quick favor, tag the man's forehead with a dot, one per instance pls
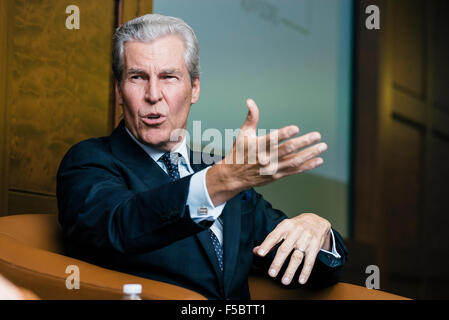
(165, 52)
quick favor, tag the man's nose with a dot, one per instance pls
(153, 93)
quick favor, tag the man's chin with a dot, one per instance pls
(155, 141)
(157, 138)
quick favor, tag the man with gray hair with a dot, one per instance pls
(135, 201)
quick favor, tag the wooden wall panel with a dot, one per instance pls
(404, 197)
(440, 55)
(366, 127)
(54, 92)
(408, 31)
(136, 8)
(4, 5)
(404, 186)
(437, 217)
(58, 86)
(405, 270)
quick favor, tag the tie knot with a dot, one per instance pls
(171, 163)
(170, 158)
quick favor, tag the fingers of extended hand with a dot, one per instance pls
(310, 164)
(294, 145)
(287, 157)
(268, 145)
(275, 137)
(293, 162)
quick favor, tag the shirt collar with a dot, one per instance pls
(155, 154)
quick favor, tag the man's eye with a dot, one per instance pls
(136, 77)
(168, 77)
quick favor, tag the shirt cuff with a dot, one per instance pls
(334, 249)
(198, 199)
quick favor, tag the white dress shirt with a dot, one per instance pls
(198, 196)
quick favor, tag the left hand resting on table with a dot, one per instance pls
(306, 234)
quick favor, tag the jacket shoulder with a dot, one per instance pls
(90, 150)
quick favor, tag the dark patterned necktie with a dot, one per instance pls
(171, 163)
(217, 247)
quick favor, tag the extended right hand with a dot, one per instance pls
(259, 160)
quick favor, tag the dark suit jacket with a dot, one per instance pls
(119, 209)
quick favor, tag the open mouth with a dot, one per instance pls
(153, 119)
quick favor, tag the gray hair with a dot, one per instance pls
(151, 27)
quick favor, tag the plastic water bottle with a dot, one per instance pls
(132, 291)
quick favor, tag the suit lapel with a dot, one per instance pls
(135, 158)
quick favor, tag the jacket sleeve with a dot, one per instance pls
(99, 210)
(327, 269)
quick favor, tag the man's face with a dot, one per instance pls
(156, 91)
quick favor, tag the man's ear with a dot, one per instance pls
(118, 93)
(195, 91)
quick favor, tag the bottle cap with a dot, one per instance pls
(132, 288)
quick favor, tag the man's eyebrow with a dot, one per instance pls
(171, 71)
(134, 70)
